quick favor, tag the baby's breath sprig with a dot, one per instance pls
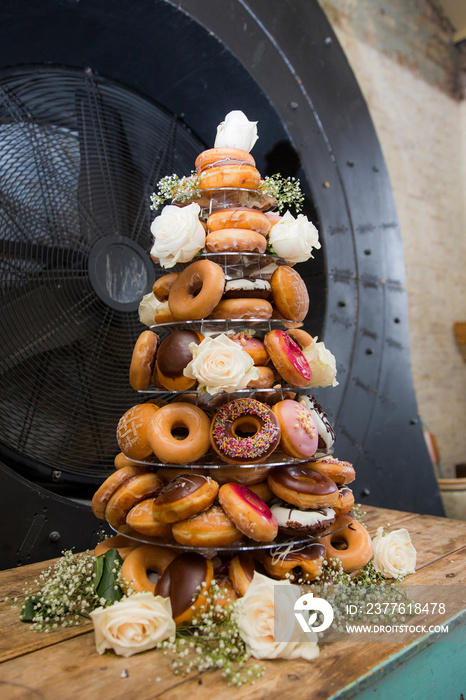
(212, 641)
(286, 190)
(70, 589)
(184, 188)
(358, 513)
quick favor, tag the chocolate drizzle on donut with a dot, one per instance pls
(180, 487)
(181, 581)
(303, 480)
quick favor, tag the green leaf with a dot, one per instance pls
(108, 587)
(27, 611)
(98, 571)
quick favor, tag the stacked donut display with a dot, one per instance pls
(231, 478)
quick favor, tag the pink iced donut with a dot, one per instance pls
(248, 512)
(288, 358)
(299, 437)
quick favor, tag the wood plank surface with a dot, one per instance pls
(64, 664)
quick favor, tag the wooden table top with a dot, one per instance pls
(64, 663)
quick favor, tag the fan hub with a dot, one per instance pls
(120, 272)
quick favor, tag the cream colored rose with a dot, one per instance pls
(220, 364)
(293, 239)
(257, 621)
(149, 306)
(394, 554)
(178, 234)
(322, 363)
(236, 132)
(133, 624)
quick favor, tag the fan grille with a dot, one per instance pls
(79, 158)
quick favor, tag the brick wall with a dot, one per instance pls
(407, 67)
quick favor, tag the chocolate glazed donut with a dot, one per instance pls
(186, 582)
(302, 487)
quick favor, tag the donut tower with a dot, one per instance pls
(226, 463)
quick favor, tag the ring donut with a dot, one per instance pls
(248, 512)
(217, 156)
(308, 522)
(173, 356)
(352, 546)
(212, 528)
(143, 360)
(290, 293)
(172, 449)
(186, 581)
(227, 240)
(243, 308)
(265, 380)
(299, 436)
(183, 497)
(132, 491)
(305, 564)
(121, 461)
(342, 473)
(122, 544)
(135, 568)
(240, 175)
(197, 291)
(287, 358)
(161, 287)
(239, 217)
(141, 519)
(241, 572)
(302, 487)
(253, 346)
(345, 501)
(244, 431)
(106, 490)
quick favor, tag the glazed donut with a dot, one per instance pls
(308, 522)
(197, 291)
(143, 360)
(240, 217)
(345, 501)
(121, 461)
(299, 437)
(166, 445)
(186, 581)
(248, 476)
(355, 543)
(161, 287)
(273, 217)
(122, 544)
(262, 490)
(247, 287)
(183, 497)
(253, 346)
(227, 240)
(242, 308)
(248, 512)
(341, 473)
(261, 431)
(300, 337)
(287, 358)
(173, 356)
(108, 488)
(141, 519)
(137, 488)
(302, 487)
(132, 431)
(240, 175)
(241, 572)
(265, 380)
(325, 432)
(212, 528)
(290, 294)
(304, 564)
(135, 568)
(217, 156)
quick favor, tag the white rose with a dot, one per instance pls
(236, 132)
(293, 239)
(257, 622)
(178, 234)
(220, 364)
(394, 554)
(149, 306)
(133, 624)
(322, 363)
